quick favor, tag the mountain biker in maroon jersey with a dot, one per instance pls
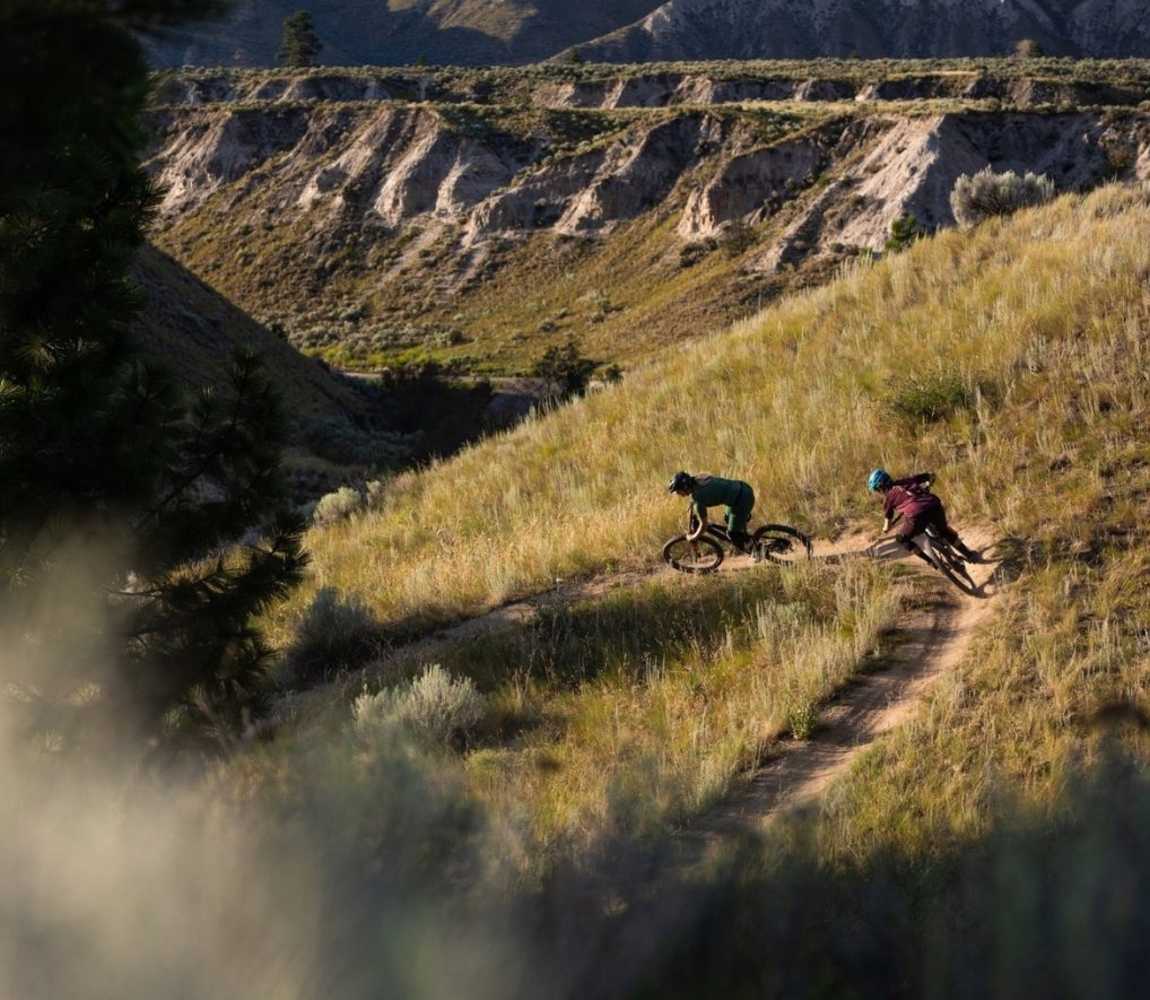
(911, 500)
(712, 491)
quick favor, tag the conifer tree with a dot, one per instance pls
(300, 45)
(904, 233)
(120, 503)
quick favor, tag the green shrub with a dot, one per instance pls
(435, 708)
(336, 506)
(904, 232)
(980, 196)
(738, 238)
(339, 441)
(565, 370)
(928, 398)
(335, 634)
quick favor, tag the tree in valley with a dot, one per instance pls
(565, 370)
(121, 583)
(299, 45)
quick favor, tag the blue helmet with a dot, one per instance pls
(878, 480)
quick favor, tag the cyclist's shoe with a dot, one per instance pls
(970, 555)
(742, 541)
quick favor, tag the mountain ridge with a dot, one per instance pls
(517, 32)
(741, 29)
(399, 32)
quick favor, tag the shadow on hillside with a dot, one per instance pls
(1030, 908)
(340, 428)
(1009, 556)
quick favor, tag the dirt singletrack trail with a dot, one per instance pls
(929, 638)
(520, 611)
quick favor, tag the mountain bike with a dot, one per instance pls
(776, 543)
(942, 556)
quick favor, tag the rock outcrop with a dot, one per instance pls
(390, 165)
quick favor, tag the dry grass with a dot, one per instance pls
(633, 710)
(794, 402)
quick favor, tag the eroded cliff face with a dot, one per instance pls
(427, 224)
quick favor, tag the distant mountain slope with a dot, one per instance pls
(401, 32)
(477, 32)
(765, 29)
(194, 331)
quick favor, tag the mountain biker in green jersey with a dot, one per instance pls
(713, 491)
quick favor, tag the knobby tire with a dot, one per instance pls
(782, 544)
(703, 555)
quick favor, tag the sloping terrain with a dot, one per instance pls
(399, 32)
(1007, 359)
(471, 32)
(514, 210)
(189, 327)
(777, 29)
(338, 428)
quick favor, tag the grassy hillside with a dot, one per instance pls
(801, 402)
(190, 326)
(1009, 359)
(338, 428)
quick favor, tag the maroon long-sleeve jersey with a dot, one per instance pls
(910, 497)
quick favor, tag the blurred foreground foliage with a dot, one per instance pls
(121, 585)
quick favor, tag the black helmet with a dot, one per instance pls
(683, 482)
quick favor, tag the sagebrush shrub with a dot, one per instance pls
(928, 398)
(335, 633)
(976, 197)
(336, 506)
(434, 707)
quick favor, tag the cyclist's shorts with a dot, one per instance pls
(916, 524)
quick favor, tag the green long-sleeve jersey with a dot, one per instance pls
(713, 491)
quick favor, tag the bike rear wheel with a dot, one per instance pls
(779, 543)
(703, 555)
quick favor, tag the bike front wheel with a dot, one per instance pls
(950, 564)
(703, 555)
(781, 544)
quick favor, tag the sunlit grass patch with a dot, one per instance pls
(637, 710)
(787, 402)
